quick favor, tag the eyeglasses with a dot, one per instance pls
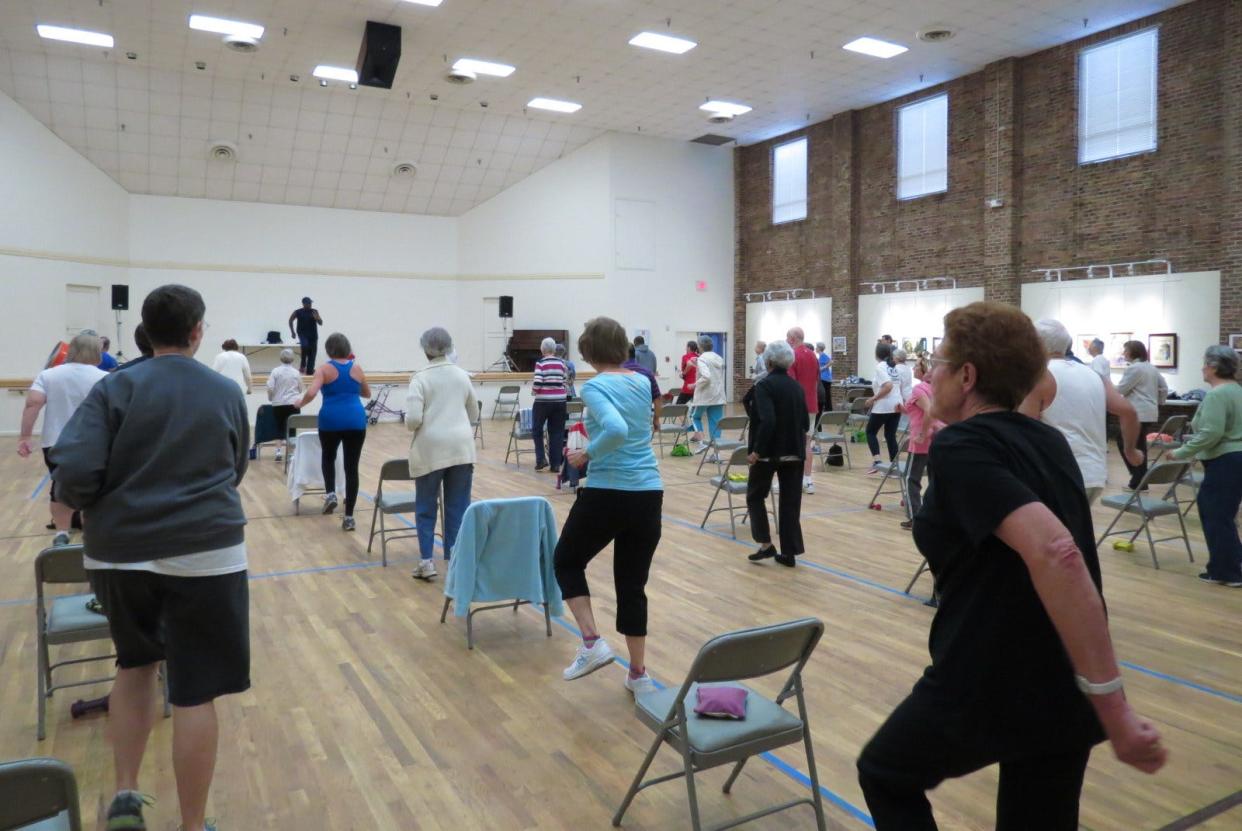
(934, 361)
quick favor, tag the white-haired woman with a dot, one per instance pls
(905, 374)
(709, 392)
(284, 391)
(776, 443)
(440, 411)
(550, 389)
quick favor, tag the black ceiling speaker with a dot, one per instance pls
(380, 53)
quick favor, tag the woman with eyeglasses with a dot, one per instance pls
(1022, 666)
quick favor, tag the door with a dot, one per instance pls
(81, 310)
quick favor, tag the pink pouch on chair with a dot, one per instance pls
(721, 702)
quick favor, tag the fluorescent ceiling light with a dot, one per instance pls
(225, 27)
(725, 108)
(74, 35)
(554, 105)
(336, 73)
(665, 43)
(500, 70)
(875, 48)
(426, 2)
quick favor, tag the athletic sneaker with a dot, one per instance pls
(907, 524)
(347, 523)
(208, 825)
(640, 685)
(876, 467)
(788, 560)
(425, 570)
(589, 660)
(808, 487)
(702, 448)
(763, 554)
(329, 503)
(280, 454)
(61, 539)
(125, 812)
(1232, 584)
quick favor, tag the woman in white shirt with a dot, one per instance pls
(284, 391)
(709, 393)
(1144, 387)
(905, 374)
(231, 363)
(885, 404)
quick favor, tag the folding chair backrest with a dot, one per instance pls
(674, 412)
(574, 407)
(509, 389)
(738, 458)
(301, 422)
(858, 406)
(480, 415)
(59, 565)
(1165, 473)
(395, 470)
(737, 422)
(751, 653)
(833, 418)
(32, 790)
(1174, 426)
(852, 393)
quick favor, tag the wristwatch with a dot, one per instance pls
(1103, 688)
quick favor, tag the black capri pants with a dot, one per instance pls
(329, 442)
(889, 422)
(631, 521)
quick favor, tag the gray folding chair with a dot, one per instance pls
(674, 422)
(63, 620)
(859, 414)
(39, 795)
(394, 470)
(723, 445)
(1174, 427)
(574, 411)
(478, 424)
(827, 437)
(507, 399)
(896, 469)
(1193, 480)
(519, 434)
(722, 484)
(294, 425)
(1141, 503)
(705, 743)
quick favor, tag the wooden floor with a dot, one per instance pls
(367, 713)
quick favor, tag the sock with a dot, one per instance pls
(637, 672)
(589, 642)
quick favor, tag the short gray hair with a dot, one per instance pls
(436, 342)
(705, 343)
(286, 356)
(1096, 343)
(778, 355)
(547, 346)
(1055, 337)
(561, 351)
(1223, 360)
(899, 355)
(820, 345)
(85, 349)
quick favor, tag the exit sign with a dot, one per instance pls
(700, 285)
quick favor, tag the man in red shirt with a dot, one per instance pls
(805, 370)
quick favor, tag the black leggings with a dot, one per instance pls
(1137, 472)
(330, 440)
(889, 422)
(631, 521)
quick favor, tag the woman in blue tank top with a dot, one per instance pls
(342, 421)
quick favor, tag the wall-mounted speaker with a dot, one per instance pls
(506, 306)
(380, 53)
(120, 297)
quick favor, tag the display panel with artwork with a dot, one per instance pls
(1162, 350)
(1115, 348)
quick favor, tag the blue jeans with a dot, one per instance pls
(1219, 498)
(456, 481)
(714, 413)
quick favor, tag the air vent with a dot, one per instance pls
(222, 151)
(460, 76)
(404, 170)
(241, 43)
(712, 139)
(936, 34)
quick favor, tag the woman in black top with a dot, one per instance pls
(776, 440)
(1022, 667)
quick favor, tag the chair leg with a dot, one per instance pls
(547, 619)
(922, 568)
(1185, 537)
(1151, 544)
(164, 683)
(737, 769)
(691, 793)
(732, 518)
(710, 506)
(444, 611)
(383, 541)
(44, 684)
(711, 448)
(371, 538)
(816, 797)
(470, 630)
(638, 780)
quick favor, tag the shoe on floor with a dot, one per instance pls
(702, 448)
(61, 539)
(51, 526)
(808, 487)
(907, 524)
(589, 660)
(280, 455)
(425, 570)
(347, 523)
(788, 560)
(540, 466)
(1232, 584)
(763, 554)
(125, 812)
(640, 685)
(208, 825)
(329, 503)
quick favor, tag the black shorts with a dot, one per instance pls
(199, 625)
(51, 469)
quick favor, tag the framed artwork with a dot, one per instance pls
(1114, 348)
(920, 348)
(1162, 350)
(906, 344)
(1235, 341)
(838, 344)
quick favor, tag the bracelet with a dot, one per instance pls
(1103, 688)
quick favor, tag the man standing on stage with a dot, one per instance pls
(307, 334)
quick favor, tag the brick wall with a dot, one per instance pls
(1013, 136)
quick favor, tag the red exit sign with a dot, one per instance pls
(700, 285)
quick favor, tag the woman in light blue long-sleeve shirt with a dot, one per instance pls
(621, 503)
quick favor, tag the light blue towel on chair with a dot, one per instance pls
(504, 552)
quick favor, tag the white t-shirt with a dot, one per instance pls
(203, 564)
(906, 375)
(1079, 412)
(233, 364)
(885, 374)
(65, 387)
(1100, 364)
(284, 386)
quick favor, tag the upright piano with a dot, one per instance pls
(524, 345)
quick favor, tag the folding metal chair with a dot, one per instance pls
(675, 422)
(507, 399)
(826, 438)
(517, 434)
(722, 445)
(859, 414)
(478, 424)
(574, 411)
(39, 795)
(722, 483)
(1174, 427)
(394, 470)
(294, 425)
(1194, 480)
(706, 743)
(894, 469)
(1141, 503)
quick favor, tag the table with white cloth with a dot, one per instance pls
(306, 468)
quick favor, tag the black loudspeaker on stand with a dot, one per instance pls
(504, 363)
(506, 306)
(120, 303)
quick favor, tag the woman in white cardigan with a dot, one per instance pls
(440, 411)
(709, 393)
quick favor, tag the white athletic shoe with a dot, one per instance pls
(640, 685)
(61, 539)
(808, 487)
(425, 570)
(280, 454)
(589, 660)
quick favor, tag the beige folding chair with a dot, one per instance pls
(722, 484)
(827, 438)
(394, 470)
(1141, 503)
(705, 743)
(39, 795)
(507, 399)
(478, 424)
(519, 434)
(722, 445)
(674, 422)
(295, 424)
(63, 620)
(1174, 427)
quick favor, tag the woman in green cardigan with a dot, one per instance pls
(1217, 442)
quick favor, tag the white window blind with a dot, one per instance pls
(1117, 98)
(789, 181)
(923, 148)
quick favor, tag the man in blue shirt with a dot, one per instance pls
(825, 378)
(307, 333)
(106, 362)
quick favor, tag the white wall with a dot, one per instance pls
(1185, 304)
(904, 315)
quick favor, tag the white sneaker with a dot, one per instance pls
(589, 660)
(702, 448)
(329, 503)
(61, 539)
(280, 455)
(640, 685)
(808, 487)
(425, 570)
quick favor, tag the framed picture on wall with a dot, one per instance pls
(907, 344)
(1235, 341)
(1114, 348)
(838, 344)
(1162, 350)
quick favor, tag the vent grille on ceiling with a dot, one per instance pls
(712, 139)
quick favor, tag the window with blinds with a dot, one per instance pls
(789, 181)
(1117, 98)
(923, 147)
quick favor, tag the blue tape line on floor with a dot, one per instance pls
(34, 493)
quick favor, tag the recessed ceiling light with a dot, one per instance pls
(221, 26)
(336, 73)
(664, 43)
(500, 70)
(875, 47)
(554, 105)
(426, 2)
(725, 108)
(74, 35)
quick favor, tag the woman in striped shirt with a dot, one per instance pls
(549, 388)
